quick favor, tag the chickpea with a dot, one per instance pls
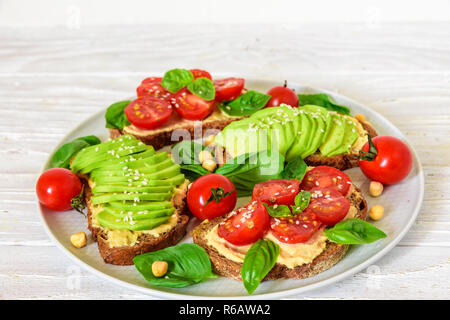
(79, 239)
(209, 165)
(159, 268)
(376, 212)
(360, 117)
(209, 140)
(375, 189)
(204, 155)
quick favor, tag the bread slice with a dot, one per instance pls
(124, 254)
(331, 255)
(163, 137)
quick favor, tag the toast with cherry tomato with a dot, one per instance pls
(228, 238)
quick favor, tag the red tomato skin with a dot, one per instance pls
(200, 191)
(56, 187)
(326, 177)
(154, 112)
(199, 73)
(276, 191)
(152, 87)
(282, 95)
(191, 107)
(330, 210)
(228, 88)
(239, 230)
(288, 230)
(392, 163)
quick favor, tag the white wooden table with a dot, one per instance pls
(51, 79)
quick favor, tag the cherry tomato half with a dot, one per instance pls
(228, 89)
(191, 107)
(328, 205)
(152, 87)
(221, 202)
(326, 177)
(246, 225)
(198, 73)
(56, 187)
(392, 162)
(297, 229)
(282, 95)
(276, 191)
(148, 112)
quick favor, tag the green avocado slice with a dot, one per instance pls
(318, 130)
(302, 136)
(109, 221)
(136, 197)
(140, 206)
(138, 214)
(335, 136)
(350, 137)
(152, 168)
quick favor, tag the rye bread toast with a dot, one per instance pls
(161, 138)
(331, 255)
(123, 255)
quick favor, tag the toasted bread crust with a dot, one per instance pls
(329, 257)
(124, 255)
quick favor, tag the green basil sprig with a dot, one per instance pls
(188, 264)
(354, 231)
(322, 100)
(278, 211)
(115, 117)
(301, 201)
(258, 261)
(294, 169)
(176, 79)
(246, 104)
(61, 158)
(203, 88)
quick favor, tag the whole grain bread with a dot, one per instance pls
(331, 255)
(123, 255)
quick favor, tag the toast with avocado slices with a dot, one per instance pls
(135, 198)
(319, 136)
(227, 259)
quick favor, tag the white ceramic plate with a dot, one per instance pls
(402, 203)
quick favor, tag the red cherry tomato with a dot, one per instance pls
(326, 177)
(246, 225)
(276, 191)
(223, 201)
(152, 87)
(280, 95)
(328, 205)
(148, 112)
(228, 89)
(392, 162)
(198, 73)
(56, 187)
(297, 229)
(191, 107)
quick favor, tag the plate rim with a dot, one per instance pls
(154, 292)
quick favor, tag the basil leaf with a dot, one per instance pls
(322, 100)
(249, 169)
(258, 261)
(277, 211)
(203, 88)
(188, 264)
(176, 79)
(301, 201)
(294, 169)
(193, 171)
(186, 152)
(246, 104)
(115, 117)
(62, 157)
(354, 231)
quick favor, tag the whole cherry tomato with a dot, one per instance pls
(282, 95)
(56, 188)
(211, 196)
(386, 159)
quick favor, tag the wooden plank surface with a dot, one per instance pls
(52, 79)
